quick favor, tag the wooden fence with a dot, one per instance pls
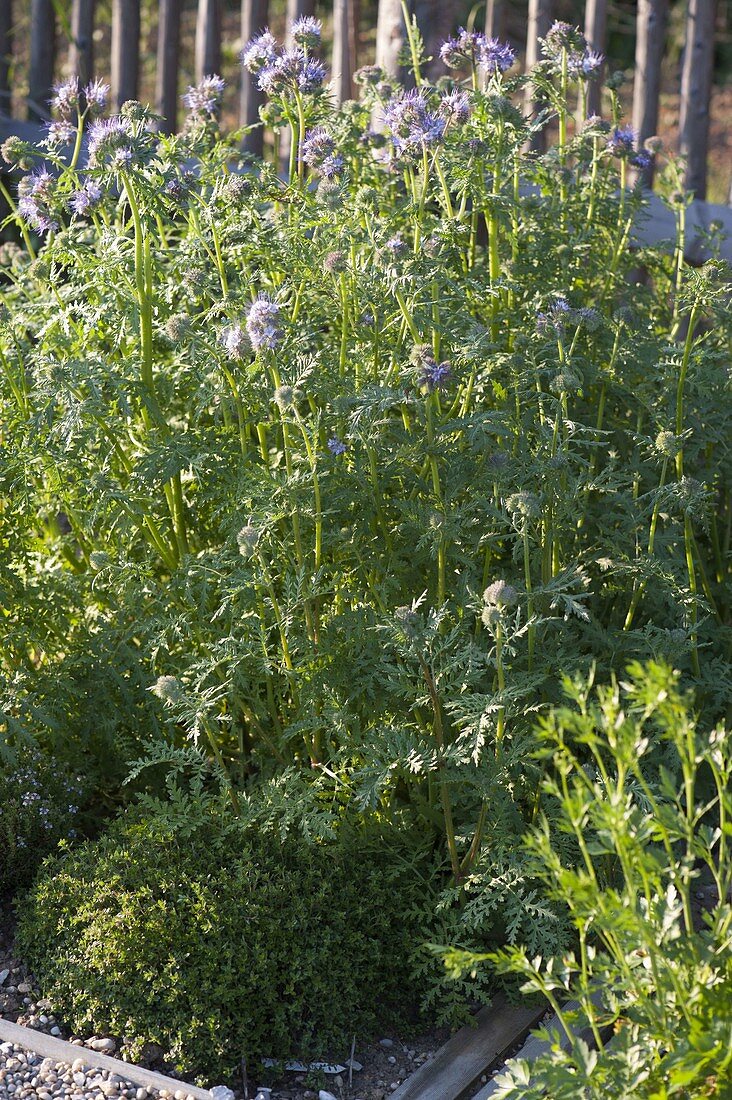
(434, 18)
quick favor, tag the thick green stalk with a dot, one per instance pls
(529, 590)
(439, 736)
(412, 44)
(688, 531)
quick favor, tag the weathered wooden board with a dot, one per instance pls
(467, 1055)
(61, 1051)
(534, 1046)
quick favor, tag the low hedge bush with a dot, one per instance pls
(217, 946)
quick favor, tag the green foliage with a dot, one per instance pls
(335, 475)
(646, 797)
(218, 942)
(41, 803)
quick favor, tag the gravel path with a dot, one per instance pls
(28, 1076)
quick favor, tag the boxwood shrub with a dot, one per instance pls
(217, 946)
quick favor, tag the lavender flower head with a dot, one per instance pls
(396, 245)
(621, 142)
(555, 317)
(563, 37)
(259, 52)
(454, 52)
(66, 97)
(435, 376)
(86, 198)
(110, 139)
(236, 341)
(205, 98)
(168, 688)
(318, 152)
(590, 63)
(262, 321)
(455, 107)
(413, 126)
(35, 193)
(495, 56)
(292, 71)
(500, 594)
(306, 32)
(95, 94)
(247, 540)
(336, 446)
(62, 131)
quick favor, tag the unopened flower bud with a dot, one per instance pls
(500, 594)
(168, 688)
(668, 444)
(524, 504)
(284, 398)
(247, 540)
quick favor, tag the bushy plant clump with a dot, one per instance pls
(40, 803)
(650, 897)
(220, 943)
(358, 461)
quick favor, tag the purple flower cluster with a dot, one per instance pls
(455, 107)
(205, 98)
(35, 194)
(565, 41)
(560, 313)
(236, 341)
(556, 316)
(319, 153)
(585, 65)
(306, 32)
(477, 49)
(259, 53)
(621, 143)
(435, 376)
(110, 140)
(293, 71)
(336, 446)
(262, 323)
(563, 38)
(68, 97)
(84, 200)
(413, 126)
(60, 132)
(284, 72)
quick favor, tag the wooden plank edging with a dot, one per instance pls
(535, 1046)
(61, 1051)
(469, 1052)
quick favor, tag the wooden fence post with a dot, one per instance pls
(494, 18)
(342, 62)
(391, 36)
(696, 88)
(540, 20)
(6, 23)
(81, 45)
(125, 51)
(254, 15)
(649, 48)
(166, 83)
(595, 33)
(208, 38)
(42, 55)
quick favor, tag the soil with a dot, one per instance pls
(384, 1063)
